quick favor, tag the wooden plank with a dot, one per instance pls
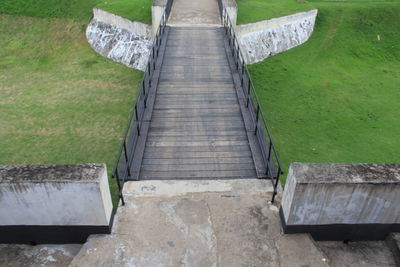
(240, 132)
(193, 102)
(195, 84)
(196, 124)
(195, 138)
(183, 161)
(148, 175)
(209, 91)
(197, 119)
(188, 113)
(198, 97)
(196, 143)
(199, 129)
(198, 77)
(203, 69)
(171, 155)
(178, 149)
(198, 167)
(170, 106)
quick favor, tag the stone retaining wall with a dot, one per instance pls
(269, 37)
(120, 39)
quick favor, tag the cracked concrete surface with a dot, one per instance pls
(213, 223)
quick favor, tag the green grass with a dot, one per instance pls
(336, 97)
(139, 10)
(60, 102)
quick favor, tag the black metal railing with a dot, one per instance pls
(270, 156)
(123, 164)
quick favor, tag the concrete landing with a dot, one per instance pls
(212, 223)
(198, 12)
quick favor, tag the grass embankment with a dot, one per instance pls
(138, 10)
(60, 102)
(335, 98)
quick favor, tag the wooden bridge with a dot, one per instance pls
(197, 115)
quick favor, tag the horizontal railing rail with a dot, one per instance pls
(123, 163)
(269, 153)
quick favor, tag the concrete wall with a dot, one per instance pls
(231, 8)
(157, 10)
(329, 194)
(54, 195)
(266, 38)
(53, 203)
(120, 39)
(110, 18)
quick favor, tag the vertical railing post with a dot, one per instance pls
(137, 120)
(276, 184)
(269, 157)
(257, 114)
(121, 196)
(248, 92)
(238, 57)
(149, 78)
(128, 167)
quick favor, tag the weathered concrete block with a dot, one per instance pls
(342, 201)
(119, 39)
(231, 8)
(266, 38)
(53, 203)
(157, 11)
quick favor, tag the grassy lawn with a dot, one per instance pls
(60, 102)
(335, 98)
(139, 10)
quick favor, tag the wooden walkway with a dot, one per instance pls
(196, 129)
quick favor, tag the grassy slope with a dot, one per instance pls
(336, 97)
(60, 102)
(78, 9)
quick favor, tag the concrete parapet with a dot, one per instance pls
(342, 201)
(53, 203)
(157, 10)
(231, 8)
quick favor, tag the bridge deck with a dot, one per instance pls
(196, 128)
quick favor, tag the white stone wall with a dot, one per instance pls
(269, 37)
(78, 202)
(120, 39)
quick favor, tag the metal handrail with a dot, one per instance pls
(133, 128)
(273, 165)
